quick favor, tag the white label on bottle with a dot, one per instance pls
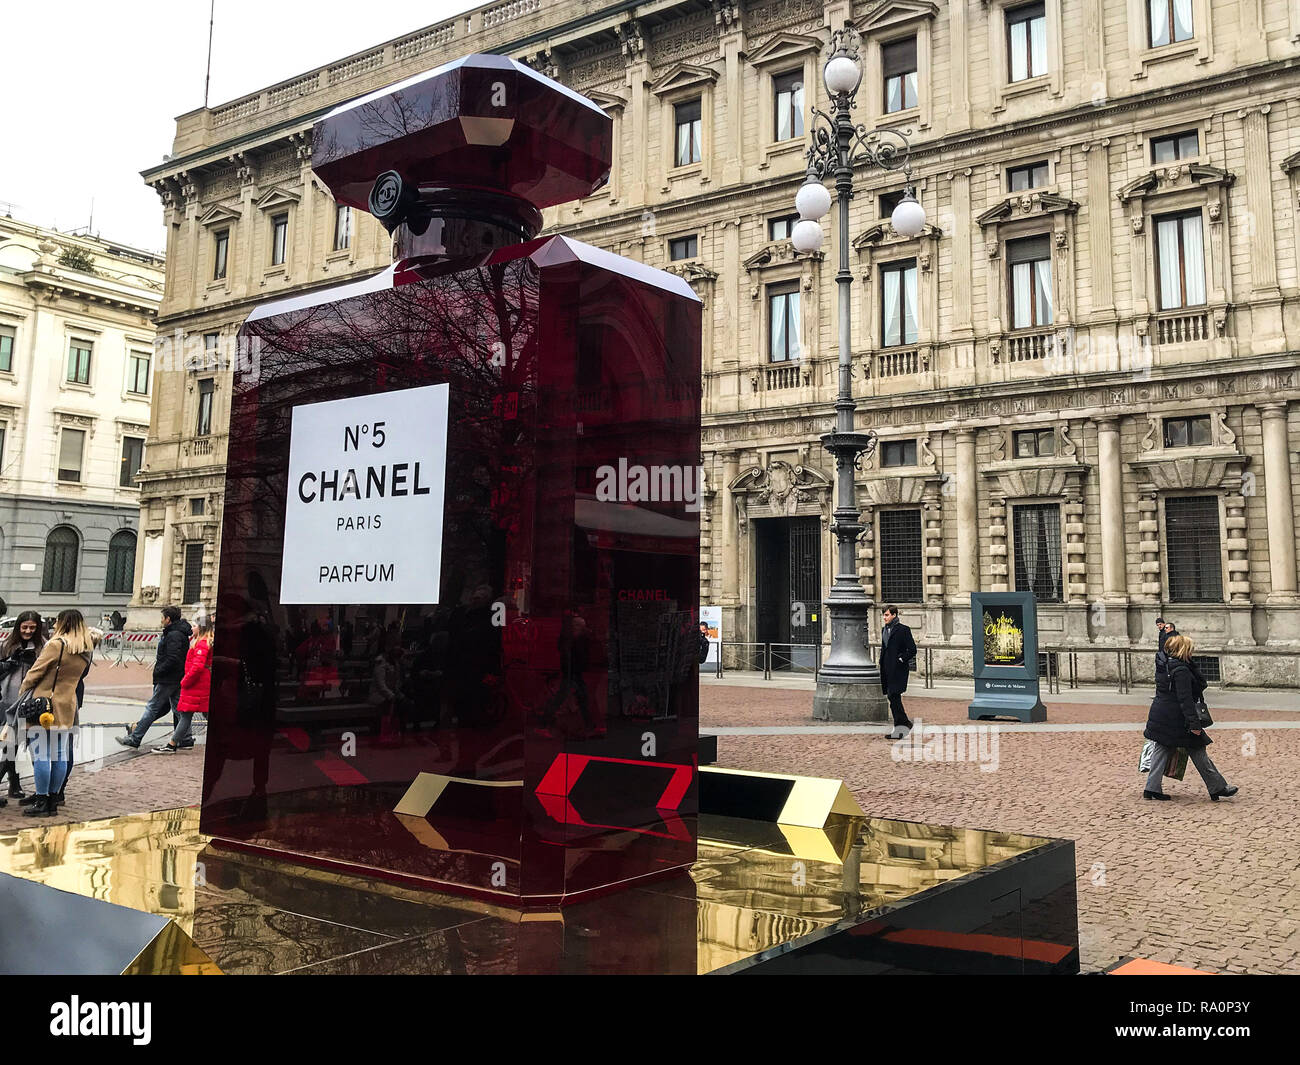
(363, 513)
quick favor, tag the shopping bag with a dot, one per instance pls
(1148, 752)
(1177, 764)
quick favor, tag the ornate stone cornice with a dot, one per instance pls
(1173, 178)
(781, 486)
(1027, 205)
(777, 253)
(683, 76)
(694, 273)
(891, 13)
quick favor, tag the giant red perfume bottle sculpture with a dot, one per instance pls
(460, 554)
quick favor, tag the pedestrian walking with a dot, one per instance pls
(17, 655)
(168, 668)
(1175, 720)
(54, 675)
(897, 649)
(1164, 629)
(196, 685)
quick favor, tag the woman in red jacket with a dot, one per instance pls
(195, 687)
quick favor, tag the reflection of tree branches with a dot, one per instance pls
(444, 328)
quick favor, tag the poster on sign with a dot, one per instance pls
(363, 516)
(712, 617)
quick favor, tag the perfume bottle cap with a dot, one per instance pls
(482, 124)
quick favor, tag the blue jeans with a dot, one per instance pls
(181, 733)
(51, 753)
(164, 698)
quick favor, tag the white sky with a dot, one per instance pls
(91, 89)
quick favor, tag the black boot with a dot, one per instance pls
(28, 800)
(15, 788)
(39, 808)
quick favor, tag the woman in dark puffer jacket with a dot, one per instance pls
(1173, 721)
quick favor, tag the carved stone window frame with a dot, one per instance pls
(1031, 213)
(773, 264)
(1001, 86)
(12, 318)
(1170, 189)
(1200, 46)
(614, 106)
(682, 83)
(888, 23)
(277, 201)
(1065, 451)
(878, 245)
(784, 54)
(216, 218)
(1218, 494)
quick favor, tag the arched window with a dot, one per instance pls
(121, 563)
(60, 574)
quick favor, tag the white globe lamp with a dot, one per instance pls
(807, 236)
(813, 201)
(842, 75)
(908, 218)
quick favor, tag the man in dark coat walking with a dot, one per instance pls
(168, 668)
(897, 649)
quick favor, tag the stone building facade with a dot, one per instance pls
(76, 352)
(1080, 374)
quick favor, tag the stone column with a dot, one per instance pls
(1114, 574)
(168, 553)
(1278, 503)
(999, 567)
(730, 539)
(1267, 334)
(1149, 544)
(968, 544)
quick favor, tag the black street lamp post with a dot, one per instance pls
(848, 684)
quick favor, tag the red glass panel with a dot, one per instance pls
(550, 694)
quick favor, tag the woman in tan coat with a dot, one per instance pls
(54, 675)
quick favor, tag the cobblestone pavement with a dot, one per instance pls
(1208, 885)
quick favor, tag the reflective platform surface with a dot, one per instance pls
(861, 896)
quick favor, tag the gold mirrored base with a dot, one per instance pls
(860, 895)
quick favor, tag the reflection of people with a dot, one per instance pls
(897, 649)
(168, 669)
(1173, 721)
(196, 684)
(574, 652)
(704, 642)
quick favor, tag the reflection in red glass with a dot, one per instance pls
(543, 647)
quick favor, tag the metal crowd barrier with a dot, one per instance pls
(1063, 662)
(119, 647)
(765, 657)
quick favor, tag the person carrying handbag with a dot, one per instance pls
(1175, 720)
(50, 688)
(18, 653)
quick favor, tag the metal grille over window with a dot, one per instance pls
(1192, 549)
(193, 572)
(900, 555)
(1038, 550)
(60, 571)
(121, 563)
